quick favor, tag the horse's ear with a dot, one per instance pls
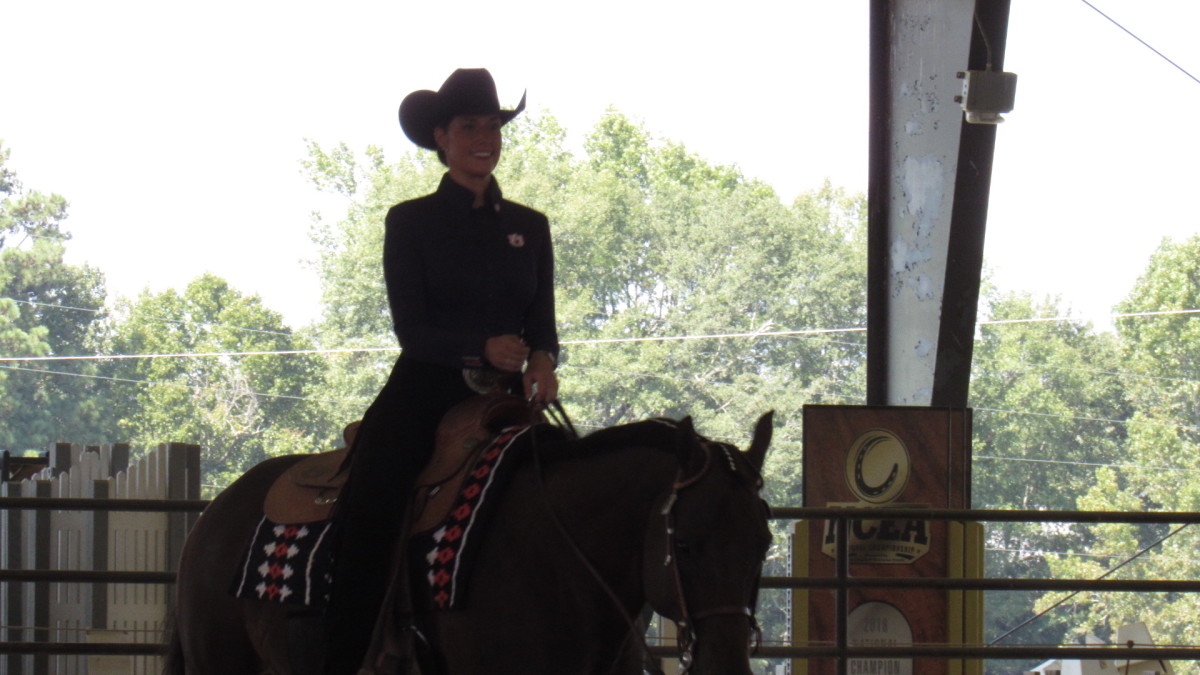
(685, 442)
(763, 429)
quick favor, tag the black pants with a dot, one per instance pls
(393, 444)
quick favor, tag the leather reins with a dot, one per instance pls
(685, 624)
(685, 631)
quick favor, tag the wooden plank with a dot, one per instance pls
(63, 532)
(36, 555)
(11, 594)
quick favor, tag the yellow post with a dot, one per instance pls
(800, 595)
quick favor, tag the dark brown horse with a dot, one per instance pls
(587, 533)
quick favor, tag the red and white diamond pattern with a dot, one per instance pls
(276, 570)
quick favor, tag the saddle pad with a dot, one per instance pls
(287, 564)
(446, 553)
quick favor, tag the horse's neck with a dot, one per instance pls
(613, 490)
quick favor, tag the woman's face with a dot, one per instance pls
(471, 144)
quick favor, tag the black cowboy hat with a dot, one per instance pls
(468, 91)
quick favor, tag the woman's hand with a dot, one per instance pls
(506, 353)
(541, 384)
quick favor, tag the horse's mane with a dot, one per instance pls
(659, 433)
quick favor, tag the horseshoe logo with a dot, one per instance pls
(878, 467)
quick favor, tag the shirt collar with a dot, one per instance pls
(460, 196)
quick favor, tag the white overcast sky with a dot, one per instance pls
(175, 129)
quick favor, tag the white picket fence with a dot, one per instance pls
(99, 540)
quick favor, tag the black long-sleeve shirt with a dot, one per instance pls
(457, 275)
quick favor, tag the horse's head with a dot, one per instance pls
(705, 546)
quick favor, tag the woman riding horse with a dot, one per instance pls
(470, 282)
(586, 534)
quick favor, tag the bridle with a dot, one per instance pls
(685, 617)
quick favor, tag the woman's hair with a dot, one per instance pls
(444, 125)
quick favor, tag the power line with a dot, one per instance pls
(1085, 418)
(46, 304)
(717, 336)
(395, 349)
(347, 350)
(189, 355)
(1111, 571)
(1076, 554)
(180, 385)
(1146, 44)
(727, 335)
(595, 341)
(581, 425)
(1165, 312)
(180, 322)
(356, 350)
(1051, 319)
(1089, 464)
(1093, 371)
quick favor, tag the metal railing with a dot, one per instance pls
(842, 583)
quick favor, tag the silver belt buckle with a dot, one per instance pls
(482, 380)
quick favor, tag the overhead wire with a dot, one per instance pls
(1147, 45)
(582, 342)
(1077, 554)
(1111, 571)
(1086, 418)
(653, 375)
(169, 383)
(1065, 462)
(180, 322)
(833, 394)
(354, 350)
(806, 333)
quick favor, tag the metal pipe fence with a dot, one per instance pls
(842, 583)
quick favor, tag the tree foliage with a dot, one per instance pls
(199, 381)
(47, 309)
(1047, 407)
(1160, 466)
(1094, 421)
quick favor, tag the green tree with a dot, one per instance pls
(1047, 403)
(355, 318)
(196, 383)
(1160, 368)
(1161, 338)
(721, 294)
(47, 308)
